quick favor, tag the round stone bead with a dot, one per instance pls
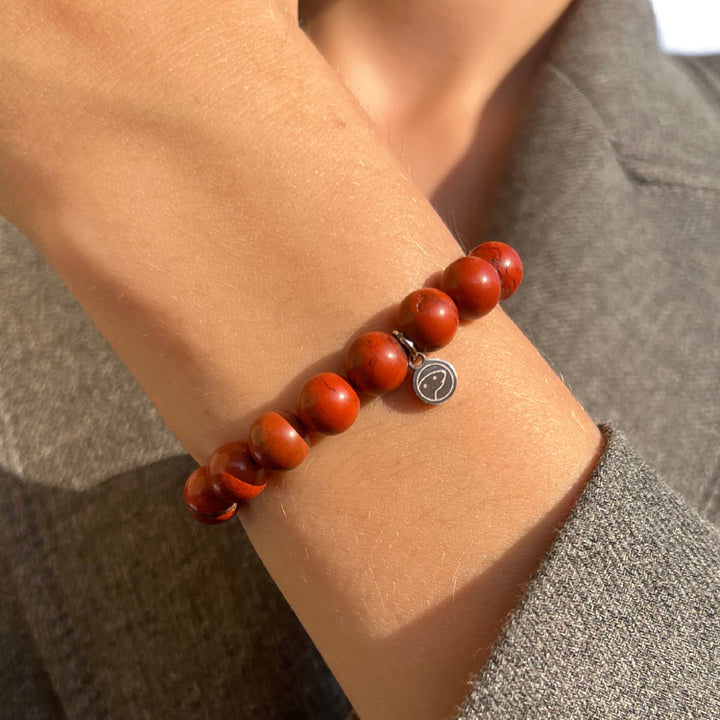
(202, 503)
(474, 285)
(506, 261)
(234, 475)
(429, 317)
(376, 363)
(277, 441)
(327, 404)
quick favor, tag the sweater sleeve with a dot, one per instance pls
(621, 620)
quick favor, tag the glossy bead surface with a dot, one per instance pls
(376, 363)
(277, 441)
(234, 475)
(474, 285)
(327, 404)
(202, 503)
(506, 261)
(429, 317)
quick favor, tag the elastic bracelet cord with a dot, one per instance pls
(375, 363)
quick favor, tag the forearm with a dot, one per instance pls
(231, 250)
(260, 217)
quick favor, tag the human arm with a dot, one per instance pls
(221, 217)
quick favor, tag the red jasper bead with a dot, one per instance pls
(234, 475)
(376, 363)
(474, 285)
(202, 503)
(506, 261)
(327, 404)
(277, 441)
(429, 317)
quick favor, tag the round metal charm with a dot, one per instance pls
(434, 381)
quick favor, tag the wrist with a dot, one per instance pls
(417, 531)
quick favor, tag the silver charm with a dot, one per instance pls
(434, 380)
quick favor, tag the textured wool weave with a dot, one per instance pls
(612, 198)
(622, 619)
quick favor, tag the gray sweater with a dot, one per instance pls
(110, 597)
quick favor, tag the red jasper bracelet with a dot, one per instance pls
(375, 363)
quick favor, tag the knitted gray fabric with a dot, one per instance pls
(622, 619)
(110, 597)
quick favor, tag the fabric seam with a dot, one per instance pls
(641, 169)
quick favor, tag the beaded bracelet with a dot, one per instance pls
(375, 363)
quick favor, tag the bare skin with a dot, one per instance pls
(226, 213)
(445, 84)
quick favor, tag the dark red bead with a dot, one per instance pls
(429, 317)
(277, 441)
(234, 475)
(327, 404)
(506, 261)
(474, 285)
(376, 363)
(202, 503)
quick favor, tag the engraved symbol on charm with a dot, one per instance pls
(435, 380)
